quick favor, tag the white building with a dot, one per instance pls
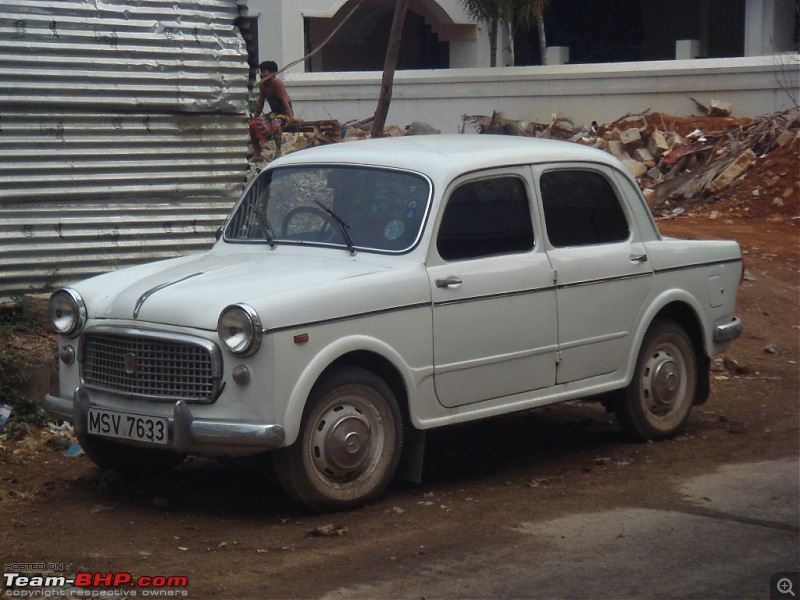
(608, 58)
(439, 34)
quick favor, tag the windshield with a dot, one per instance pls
(353, 207)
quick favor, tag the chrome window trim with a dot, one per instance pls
(323, 165)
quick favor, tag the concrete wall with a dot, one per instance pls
(583, 93)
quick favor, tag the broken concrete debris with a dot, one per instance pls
(677, 161)
(732, 171)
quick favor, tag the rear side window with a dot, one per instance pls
(581, 209)
(486, 218)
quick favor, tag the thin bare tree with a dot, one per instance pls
(389, 67)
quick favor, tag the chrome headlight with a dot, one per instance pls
(239, 329)
(67, 312)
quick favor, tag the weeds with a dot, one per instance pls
(13, 378)
(14, 319)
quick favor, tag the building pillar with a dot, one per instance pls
(769, 26)
(687, 49)
(557, 55)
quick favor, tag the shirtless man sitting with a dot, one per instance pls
(272, 92)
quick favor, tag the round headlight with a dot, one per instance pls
(67, 312)
(239, 329)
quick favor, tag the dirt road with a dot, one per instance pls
(233, 534)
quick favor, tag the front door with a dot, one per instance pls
(494, 304)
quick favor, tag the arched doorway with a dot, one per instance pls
(360, 44)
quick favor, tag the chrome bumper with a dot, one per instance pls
(58, 407)
(728, 331)
(188, 431)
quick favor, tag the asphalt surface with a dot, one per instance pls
(731, 534)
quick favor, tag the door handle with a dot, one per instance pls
(448, 282)
(639, 258)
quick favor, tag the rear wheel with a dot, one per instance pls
(349, 445)
(659, 399)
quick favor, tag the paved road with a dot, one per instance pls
(725, 536)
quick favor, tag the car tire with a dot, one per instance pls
(659, 398)
(112, 455)
(349, 445)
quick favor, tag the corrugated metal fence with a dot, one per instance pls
(123, 135)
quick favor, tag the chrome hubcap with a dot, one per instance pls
(663, 383)
(341, 443)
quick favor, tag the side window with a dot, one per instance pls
(581, 209)
(486, 218)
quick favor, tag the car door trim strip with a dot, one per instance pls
(732, 261)
(573, 284)
(369, 313)
(493, 296)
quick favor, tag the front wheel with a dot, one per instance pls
(657, 402)
(349, 446)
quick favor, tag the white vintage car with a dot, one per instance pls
(362, 293)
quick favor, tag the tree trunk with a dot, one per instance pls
(493, 43)
(511, 27)
(542, 40)
(389, 66)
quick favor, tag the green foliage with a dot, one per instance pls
(511, 13)
(252, 101)
(14, 319)
(59, 443)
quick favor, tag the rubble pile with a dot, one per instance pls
(683, 162)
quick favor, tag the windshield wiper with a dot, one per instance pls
(266, 227)
(342, 225)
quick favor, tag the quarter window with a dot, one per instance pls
(486, 218)
(581, 209)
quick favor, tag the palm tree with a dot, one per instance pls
(513, 14)
(536, 14)
(485, 11)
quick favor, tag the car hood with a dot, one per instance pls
(192, 291)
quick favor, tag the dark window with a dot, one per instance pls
(581, 209)
(486, 218)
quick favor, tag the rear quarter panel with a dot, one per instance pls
(705, 274)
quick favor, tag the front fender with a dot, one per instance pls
(315, 368)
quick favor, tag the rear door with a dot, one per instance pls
(602, 272)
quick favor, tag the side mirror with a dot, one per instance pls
(218, 233)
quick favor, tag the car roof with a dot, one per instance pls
(446, 155)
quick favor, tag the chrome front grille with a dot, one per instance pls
(151, 365)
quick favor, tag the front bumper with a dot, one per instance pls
(187, 432)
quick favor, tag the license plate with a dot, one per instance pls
(112, 423)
